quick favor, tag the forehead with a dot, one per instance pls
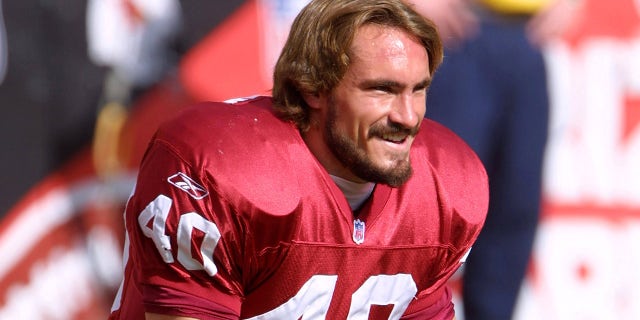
(383, 53)
(379, 41)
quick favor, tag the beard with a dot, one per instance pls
(357, 160)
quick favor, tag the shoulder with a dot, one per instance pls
(221, 131)
(447, 153)
(242, 148)
(213, 123)
(460, 176)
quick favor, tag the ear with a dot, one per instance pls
(314, 101)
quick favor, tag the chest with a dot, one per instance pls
(342, 282)
(324, 261)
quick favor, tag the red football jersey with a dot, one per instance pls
(233, 217)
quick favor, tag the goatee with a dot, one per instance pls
(356, 159)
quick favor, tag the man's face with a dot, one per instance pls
(373, 115)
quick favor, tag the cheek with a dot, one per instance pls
(422, 110)
(357, 113)
(357, 121)
(367, 122)
(420, 105)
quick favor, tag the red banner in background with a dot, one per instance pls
(227, 63)
(237, 58)
(585, 261)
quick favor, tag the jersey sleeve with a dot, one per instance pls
(184, 239)
(436, 307)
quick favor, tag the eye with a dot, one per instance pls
(385, 89)
(422, 88)
(421, 91)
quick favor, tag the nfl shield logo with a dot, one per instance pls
(358, 231)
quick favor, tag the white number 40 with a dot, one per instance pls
(155, 215)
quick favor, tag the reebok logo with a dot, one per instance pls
(186, 184)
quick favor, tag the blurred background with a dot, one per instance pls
(83, 85)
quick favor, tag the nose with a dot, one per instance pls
(407, 110)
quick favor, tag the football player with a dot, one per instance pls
(333, 199)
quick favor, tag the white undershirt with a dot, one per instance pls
(356, 193)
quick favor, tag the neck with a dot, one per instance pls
(356, 193)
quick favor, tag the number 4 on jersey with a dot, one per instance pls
(313, 299)
(152, 221)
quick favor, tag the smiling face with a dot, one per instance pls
(369, 120)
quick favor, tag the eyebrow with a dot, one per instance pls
(423, 84)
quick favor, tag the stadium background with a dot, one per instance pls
(61, 243)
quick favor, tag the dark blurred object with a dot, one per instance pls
(49, 94)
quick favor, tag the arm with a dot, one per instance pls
(166, 223)
(553, 20)
(454, 18)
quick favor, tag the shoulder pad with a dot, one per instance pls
(243, 149)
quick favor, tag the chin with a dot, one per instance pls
(395, 173)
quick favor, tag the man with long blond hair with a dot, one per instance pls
(311, 203)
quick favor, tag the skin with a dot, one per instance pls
(454, 18)
(375, 110)
(385, 86)
(553, 21)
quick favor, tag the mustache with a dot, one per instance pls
(379, 129)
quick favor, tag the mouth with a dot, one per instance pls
(392, 133)
(396, 138)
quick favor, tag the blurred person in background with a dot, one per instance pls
(492, 91)
(141, 44)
